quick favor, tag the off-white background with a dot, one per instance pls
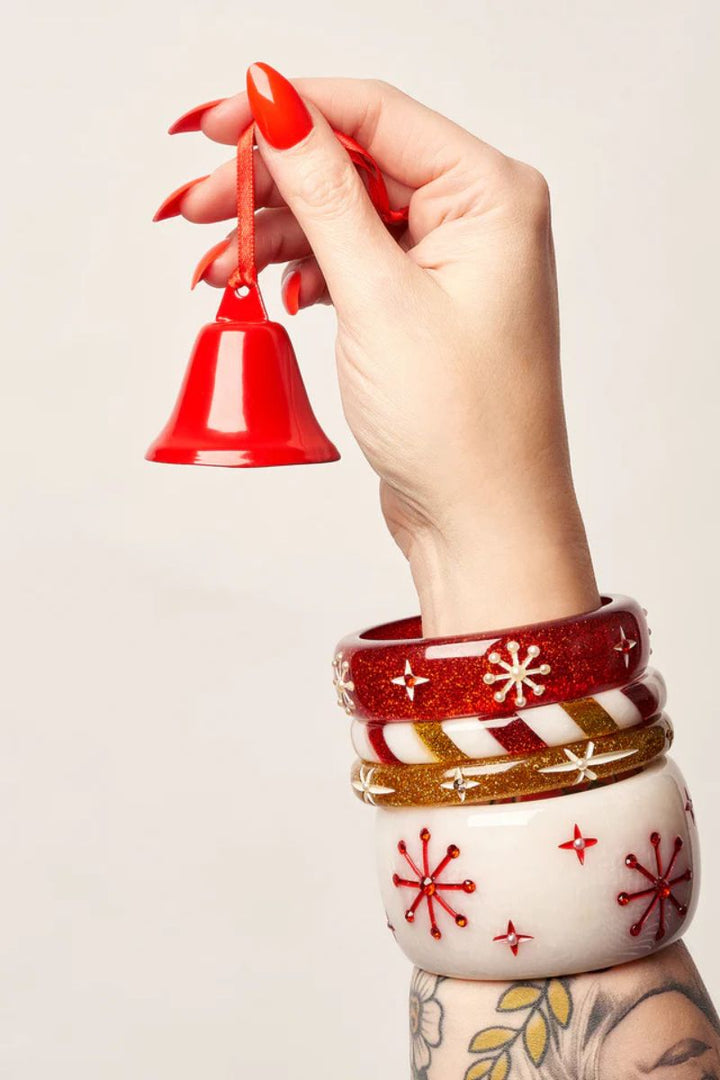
(186, 881)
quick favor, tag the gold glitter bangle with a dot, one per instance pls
(486, 779)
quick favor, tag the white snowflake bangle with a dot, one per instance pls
(391, 673)
(548, 887)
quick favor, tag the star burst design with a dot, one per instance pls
(516, 674)
(367, 787)
(625, 646)
(582, 764)
(409, 680)
(579, 844)
(428, 887)
(660, 891)
(344, 686)
(512, 938)
(459, 783)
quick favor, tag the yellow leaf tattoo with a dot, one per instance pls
(479, 1069)
(519, 997)
(536, 1037)
(501, 1067)
(559, 1002)
(491, 1039)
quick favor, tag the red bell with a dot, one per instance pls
(243, 402)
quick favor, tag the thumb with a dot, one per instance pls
(315, 176)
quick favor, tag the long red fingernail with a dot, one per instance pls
(192, 119)
(208, 258)
(171, 206)
(291, 292)
(277, 107)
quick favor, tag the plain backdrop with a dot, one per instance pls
(186, 882)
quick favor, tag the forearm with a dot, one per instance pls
(647, 1018)
(623, 1022)
(507, 564)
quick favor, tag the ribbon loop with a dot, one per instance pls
(245, 273)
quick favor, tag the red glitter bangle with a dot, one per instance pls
(391, 673)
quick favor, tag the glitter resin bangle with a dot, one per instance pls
(493, 779)
(525, 732)
(391, 673)
(549, 887)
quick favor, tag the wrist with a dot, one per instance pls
(504, 567)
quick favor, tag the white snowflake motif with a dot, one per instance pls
(364, 784)
(583, 764)
(409, 680)
(459, 783)
(344, 686)
(516, 674)
(625, 646)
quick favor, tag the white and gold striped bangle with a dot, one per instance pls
(490, 779)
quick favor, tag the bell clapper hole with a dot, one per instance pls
(242, 291)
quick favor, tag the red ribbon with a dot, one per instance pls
(246, 271)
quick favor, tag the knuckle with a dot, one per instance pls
(327, 188)
(531, 195)
(380, 87)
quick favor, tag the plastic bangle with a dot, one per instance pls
(550, 887)
(391, 673)
(526, 732)
(491, 779)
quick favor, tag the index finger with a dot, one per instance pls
(410, 142)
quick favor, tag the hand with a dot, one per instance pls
(447, 343)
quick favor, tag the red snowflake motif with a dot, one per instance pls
(660, 892)
(579, 844)
(427, 884)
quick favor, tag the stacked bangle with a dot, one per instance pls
(390, 673)
(490, 779)
(527, 731)
(549, 887)
(529, 824)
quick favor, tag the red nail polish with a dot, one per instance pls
(192, 119)
(171, 206)
(291, 292)
(208, 258)
(277, 107)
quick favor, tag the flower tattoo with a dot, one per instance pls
(426, 1017)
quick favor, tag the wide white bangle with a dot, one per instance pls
(547, 887)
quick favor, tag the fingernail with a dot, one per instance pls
(291, 292)
(277, 107)
(192, 119)
(171, 206)
(208, 258)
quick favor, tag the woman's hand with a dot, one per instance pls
(447, 343)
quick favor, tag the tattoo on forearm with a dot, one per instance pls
(426, 1022)
(543, 1007)
(652, 1020)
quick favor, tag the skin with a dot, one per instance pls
(448, 361)
(648, 1020)
(447, 342)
